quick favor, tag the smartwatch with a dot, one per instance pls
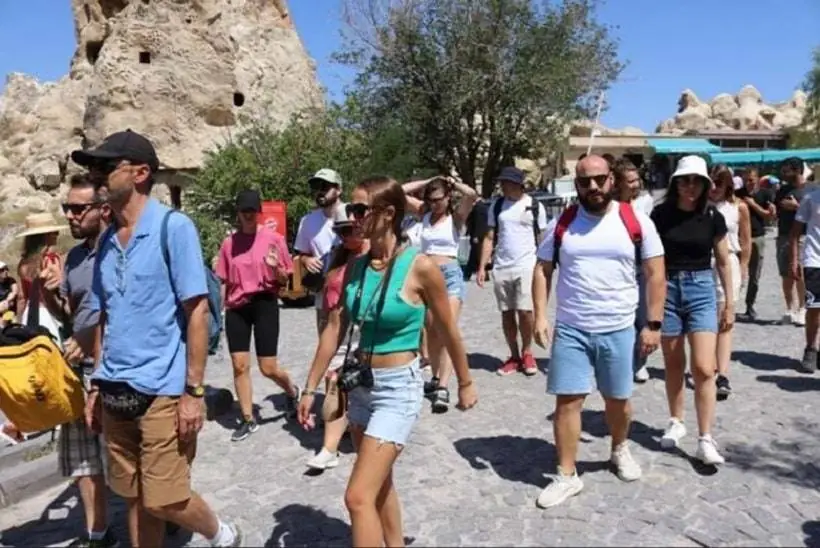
(196, 391)
(654, 325)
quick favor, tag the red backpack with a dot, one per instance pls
(633, 227)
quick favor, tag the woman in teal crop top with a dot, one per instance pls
(387, 293)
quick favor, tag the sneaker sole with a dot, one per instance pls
(439, 407)
(327, 466)
(710, 463)
(640, 380)
(502, 373)
(531, 372)
(669, 443)
(560, 501)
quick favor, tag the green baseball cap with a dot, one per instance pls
(327, 175)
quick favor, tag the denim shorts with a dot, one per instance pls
(691, 303)
(578, 356)
(389, 410)
(454, 279)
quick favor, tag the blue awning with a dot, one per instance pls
(682, 145)
(764, 156)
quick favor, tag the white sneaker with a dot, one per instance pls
(625, 464)
(787, 317)
(673, 434)
(799, 317)
(323, 460)
(559, 490)
(707, 451)
(642, 375)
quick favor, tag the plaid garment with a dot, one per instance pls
(81, 450)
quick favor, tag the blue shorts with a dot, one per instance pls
(454, 279)
(389, 410)
(578, 356)
(691, 303)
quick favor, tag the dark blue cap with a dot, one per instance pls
(511, 174)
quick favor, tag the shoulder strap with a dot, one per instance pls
(633, 227)
(166, 256)
(566, 218)
(497, 205)
(535, 207)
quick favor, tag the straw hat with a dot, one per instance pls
(41, 223)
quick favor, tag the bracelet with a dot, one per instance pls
(307, 392)
(466, 384)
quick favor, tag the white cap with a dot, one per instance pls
(3, 265)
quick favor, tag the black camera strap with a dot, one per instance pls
(384, 283)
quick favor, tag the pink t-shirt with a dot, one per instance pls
(242, 267)
(333, 288)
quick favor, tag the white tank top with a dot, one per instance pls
(731, 213)
(439, 239)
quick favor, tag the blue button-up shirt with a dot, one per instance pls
(143, 341)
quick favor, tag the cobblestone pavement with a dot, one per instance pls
(472, 478)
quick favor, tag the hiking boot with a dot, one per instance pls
(245, 429)
(509, 367)
(809, 363)
(441, 400)
(724, 389)
(528, 364)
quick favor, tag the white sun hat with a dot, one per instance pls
(41, 223)
(691, 165)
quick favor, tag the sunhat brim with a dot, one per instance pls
(42, 230)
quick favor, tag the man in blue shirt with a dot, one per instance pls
(150, 347)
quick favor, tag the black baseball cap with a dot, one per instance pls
(248, 200)
(124, 145)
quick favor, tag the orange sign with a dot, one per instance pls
(275, 216)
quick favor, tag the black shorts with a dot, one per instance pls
(260, 316)
(811, 276)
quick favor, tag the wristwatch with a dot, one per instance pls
(654, 325)
(196, 391)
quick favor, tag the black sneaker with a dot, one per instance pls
(108, 541)
(751, 313)
(171, 529)
(441, 400)
(809, 363)
(724, 389)
(292, 404)
(430, 386)
(245, 429)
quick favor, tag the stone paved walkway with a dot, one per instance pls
(472, 478)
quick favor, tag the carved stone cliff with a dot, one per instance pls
(183, 72)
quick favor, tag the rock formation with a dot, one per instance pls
(184, 73)
(744, 111)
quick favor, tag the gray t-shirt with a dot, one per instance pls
(76, 286)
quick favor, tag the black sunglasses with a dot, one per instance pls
(78, 209)
(429, 200)
(323, 186)
(357, 211)
(586, 182)
(343, 231)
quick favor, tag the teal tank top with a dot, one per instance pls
(399, 327)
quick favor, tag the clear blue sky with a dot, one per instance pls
(710, 46)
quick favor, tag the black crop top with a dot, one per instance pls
(688, 236)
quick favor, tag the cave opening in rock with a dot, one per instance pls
(92, 51)
(110, 8)
(145, 57)
(238, 99)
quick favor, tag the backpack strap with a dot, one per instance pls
(633, 227)
(166, 255)
(566, 218)
(535, 208)
(497, 205)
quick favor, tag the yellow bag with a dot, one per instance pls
(38, 389)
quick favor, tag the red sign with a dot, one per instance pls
(275, 216)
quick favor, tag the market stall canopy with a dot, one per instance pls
(682, 146)
(753, 157)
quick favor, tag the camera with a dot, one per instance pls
(354, 374)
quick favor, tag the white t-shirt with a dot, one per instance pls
(644, 203)
(315, 236)
(809, 214)
(597, 291)
(516, 240)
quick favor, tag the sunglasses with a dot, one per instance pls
(428, 200)
(586, 182)
(344, 231)
(78, 209)
(689, 180)
(357, 211)
(323, 186)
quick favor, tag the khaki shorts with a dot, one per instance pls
(513, 288)
(146, 458)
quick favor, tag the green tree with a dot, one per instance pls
(807, 135)
(477, 83)
(279, 163)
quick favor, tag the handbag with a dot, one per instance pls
(122, 401)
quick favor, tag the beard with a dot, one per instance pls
(595, 207)
(80, 233)
(323, 200)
